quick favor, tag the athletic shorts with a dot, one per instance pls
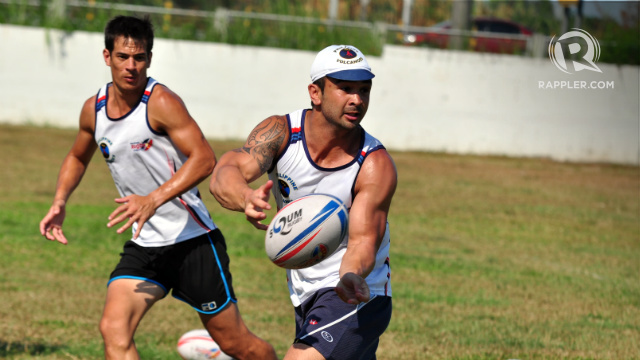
(195, 270)
(341, 331)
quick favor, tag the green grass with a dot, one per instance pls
(492, 258)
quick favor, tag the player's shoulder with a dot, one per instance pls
(165, 109)
(378, 168)
(89, 106)
(90, 103)
(380, 160)
(279, 119)
(271, 136)
(88, 114)
(161, 95)
(274, 126)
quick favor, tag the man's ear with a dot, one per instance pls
(107, 57)
(149, 62)
(315, 94)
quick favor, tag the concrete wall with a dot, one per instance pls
(423, 99)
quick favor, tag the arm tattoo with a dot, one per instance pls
(264, 142)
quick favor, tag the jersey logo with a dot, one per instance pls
(104, 144)
(144, 146)
(284, 188)
(286, 185)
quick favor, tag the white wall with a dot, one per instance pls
(423, 99)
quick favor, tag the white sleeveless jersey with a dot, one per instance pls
(141, 160)
(296, 175)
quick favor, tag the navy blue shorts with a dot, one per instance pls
(196, 270)
(341, 331)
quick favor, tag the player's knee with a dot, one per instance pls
(114, 331)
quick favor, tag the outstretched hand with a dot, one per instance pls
(134, 208)
(353, 289)
(51, 224)
(255, 204)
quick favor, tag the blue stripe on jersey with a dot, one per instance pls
(295, 137)
(101, 103)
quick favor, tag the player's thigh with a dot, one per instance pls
(301, 351)
(127, 302)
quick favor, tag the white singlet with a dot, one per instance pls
(141, 160)
(296, 175)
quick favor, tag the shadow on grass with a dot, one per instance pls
(17, 348)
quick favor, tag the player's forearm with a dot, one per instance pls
(229, 188)
(359, 259)
(70, 175)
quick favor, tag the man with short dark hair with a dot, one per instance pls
(157, 156)
(342, 304)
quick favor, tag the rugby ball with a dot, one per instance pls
(198, 345)
(306, 231)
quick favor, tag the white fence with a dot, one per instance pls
(423, 99)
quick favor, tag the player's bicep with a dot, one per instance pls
(367, 221)
(84, 145)
(266, 141)
(374, 190)
(168, 114)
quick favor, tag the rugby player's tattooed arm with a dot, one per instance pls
(238, 168)
(265, 141)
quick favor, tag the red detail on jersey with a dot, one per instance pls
(195, 218)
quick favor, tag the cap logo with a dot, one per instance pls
(347, 53)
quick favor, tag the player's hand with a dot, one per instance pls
(353, 289)
(134, 209)
(256, 202)
(51, 224)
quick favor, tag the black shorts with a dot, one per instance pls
(196, 270)
(339, 330)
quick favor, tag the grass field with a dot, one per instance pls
(492, 258)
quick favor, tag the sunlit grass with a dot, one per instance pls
(492, 258)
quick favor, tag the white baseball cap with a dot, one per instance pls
(342, 62)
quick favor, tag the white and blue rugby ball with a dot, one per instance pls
(306, 231)
(198, 345)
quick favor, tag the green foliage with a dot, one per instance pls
(618, 45)
(619, 42)
(536, 15)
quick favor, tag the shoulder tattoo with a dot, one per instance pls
(265, 141)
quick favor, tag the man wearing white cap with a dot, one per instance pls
(343, 304)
